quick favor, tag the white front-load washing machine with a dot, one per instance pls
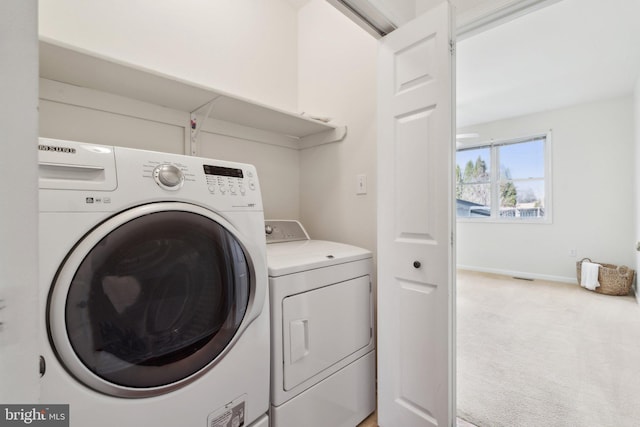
(322, 337)
(153, 285)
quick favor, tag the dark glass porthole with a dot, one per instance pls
(157, 299)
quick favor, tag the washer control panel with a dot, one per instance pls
(222, 179)
(109, 178)
(229, 181)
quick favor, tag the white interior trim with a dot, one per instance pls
(469, 22)
(479, 20)
(521, 274)
(365, 15)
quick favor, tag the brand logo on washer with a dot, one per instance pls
(57, 149)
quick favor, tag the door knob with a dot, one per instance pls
(416, 264)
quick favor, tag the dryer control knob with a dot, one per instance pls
(168, 177)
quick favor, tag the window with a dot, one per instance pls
(504, 181)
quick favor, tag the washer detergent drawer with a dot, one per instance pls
(323, 326)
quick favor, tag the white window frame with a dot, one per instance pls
(493, 146)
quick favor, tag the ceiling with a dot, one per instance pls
(570, 52)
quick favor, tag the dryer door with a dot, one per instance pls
(323, 326)
(150, 298)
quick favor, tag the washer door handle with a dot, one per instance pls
(43, 366)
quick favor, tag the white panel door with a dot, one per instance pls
(415, 256)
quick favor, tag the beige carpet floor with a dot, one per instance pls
(545, 354)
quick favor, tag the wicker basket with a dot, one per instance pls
(613, 280)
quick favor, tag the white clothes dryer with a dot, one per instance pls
(322, 337)
(153, 285)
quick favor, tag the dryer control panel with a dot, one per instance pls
(278, 231)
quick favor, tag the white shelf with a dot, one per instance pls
(86, 69)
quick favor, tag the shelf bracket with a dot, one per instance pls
(196, 125)
(333, 135)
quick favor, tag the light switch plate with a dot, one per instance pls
(361, 184)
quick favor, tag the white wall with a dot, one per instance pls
(593, 189)
(245, 47)
(18, 202)
(337, 77)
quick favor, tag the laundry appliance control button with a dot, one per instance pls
(168, 177)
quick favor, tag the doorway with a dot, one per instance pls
(573, 80)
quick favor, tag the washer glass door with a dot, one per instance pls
(152, 300)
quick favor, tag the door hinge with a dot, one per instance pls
(453, 239)
(452, 47)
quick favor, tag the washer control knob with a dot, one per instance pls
(268, 229)
(168, 177)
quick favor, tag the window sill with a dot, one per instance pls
(542, 221)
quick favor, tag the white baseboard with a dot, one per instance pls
(522, 274)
